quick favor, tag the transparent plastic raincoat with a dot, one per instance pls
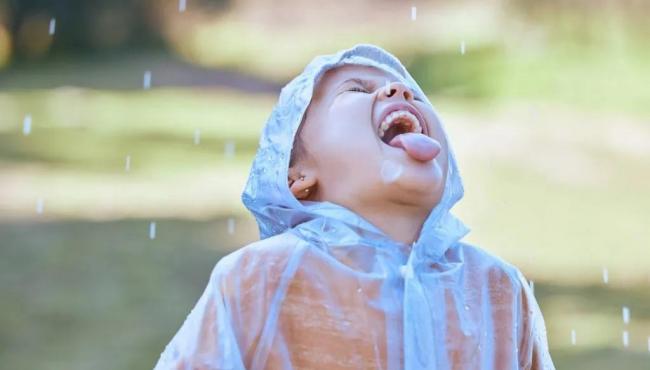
(325, 289)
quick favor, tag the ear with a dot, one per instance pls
(302, 183)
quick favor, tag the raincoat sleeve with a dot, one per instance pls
(533, 344)
(206, 339)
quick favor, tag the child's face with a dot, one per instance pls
(347, 161)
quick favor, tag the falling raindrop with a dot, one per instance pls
(146, 81)
(532, 286)
(359, 290)
(52, 26)
(127, 166)
(231, 225)
(390, 171)
(573, 337)
(462, 47)
(626, 315)
(182, 4)
(229, 149)
(197, 136)
(27, 124)
(648, 344)
(626, 338)
(39, 206)
(466, 308)
(152, 230)
(413, 13)
(605, 275)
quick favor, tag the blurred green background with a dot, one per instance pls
(546, 103)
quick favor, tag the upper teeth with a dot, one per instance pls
(400, 115)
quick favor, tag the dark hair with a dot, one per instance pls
(298, 151)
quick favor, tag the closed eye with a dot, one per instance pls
(365, 90)
(358, 89)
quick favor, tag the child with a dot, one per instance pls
(360, 263)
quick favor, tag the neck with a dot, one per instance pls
(400, 223)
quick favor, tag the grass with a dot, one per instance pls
(88, 290)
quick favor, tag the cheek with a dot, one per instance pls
(344, 143)
(342, 155)
(346, 130)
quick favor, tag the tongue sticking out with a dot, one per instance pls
(417, 146)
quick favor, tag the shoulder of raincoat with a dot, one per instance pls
(325, 289)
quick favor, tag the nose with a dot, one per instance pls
(396, 90)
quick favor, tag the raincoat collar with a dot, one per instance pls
(276, 210)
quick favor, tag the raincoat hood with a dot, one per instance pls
(275, 208)
(325, 289)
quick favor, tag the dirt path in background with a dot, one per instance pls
(126, 72)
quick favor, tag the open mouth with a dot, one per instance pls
(397, 123)
(402, 129)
